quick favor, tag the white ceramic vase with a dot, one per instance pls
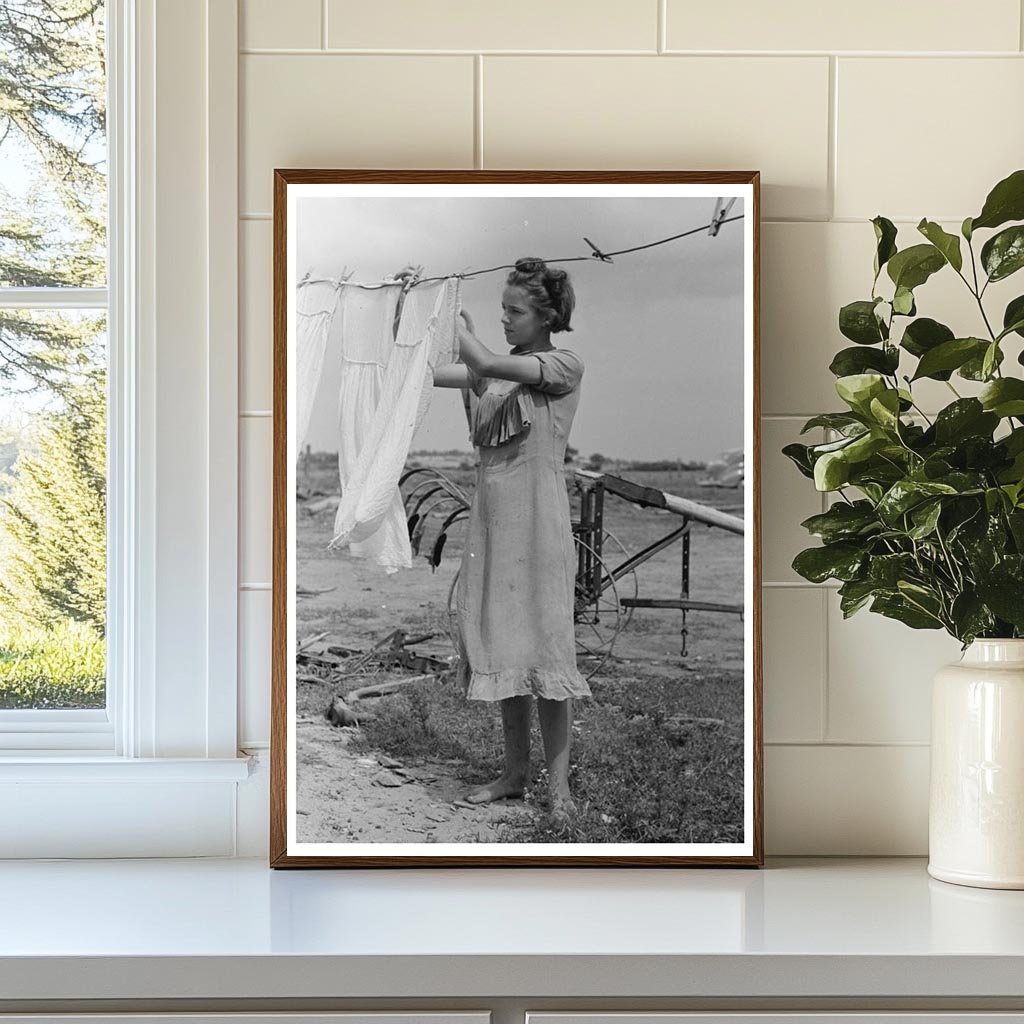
(976, 812)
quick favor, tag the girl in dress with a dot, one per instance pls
(515, 593)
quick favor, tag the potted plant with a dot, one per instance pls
(927, 525)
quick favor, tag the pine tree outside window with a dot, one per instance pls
(53, 367)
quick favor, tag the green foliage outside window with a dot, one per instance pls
(52, 365)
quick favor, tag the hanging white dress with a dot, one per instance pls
(316, 304)
(366, 328)
(369, 502)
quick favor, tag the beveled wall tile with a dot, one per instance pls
(254, 611)
(961, 131)
(351, 111)
(787, 498)
(846, 801)
(260, 24)
(793, 631)
(870, 25)
(880, 676)
(471, 25)
(692, 113)
(255, 509)
(255, 312)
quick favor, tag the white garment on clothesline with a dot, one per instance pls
(316, 304)
(366, 331)
(426, 339)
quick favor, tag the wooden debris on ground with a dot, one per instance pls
(321, 658)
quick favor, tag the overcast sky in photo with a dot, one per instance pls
(660, 331)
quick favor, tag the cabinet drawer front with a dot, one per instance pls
(358, 1017)
(789, 1017)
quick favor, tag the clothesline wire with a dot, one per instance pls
(596, 254)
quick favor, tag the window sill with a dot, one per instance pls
(80, 767)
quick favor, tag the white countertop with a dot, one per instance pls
(234, 928)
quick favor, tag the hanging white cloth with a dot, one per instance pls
(316, 304)
(426, 339)
(367, 334)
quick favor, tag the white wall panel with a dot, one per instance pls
(846, 800)
(869, 25)
(358, 111)
(961, 130)
(685, 113)
(794, 663)
(471, 25)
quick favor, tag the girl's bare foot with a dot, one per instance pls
(563, 811)
(504, 788)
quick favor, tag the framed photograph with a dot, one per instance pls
(516, 551)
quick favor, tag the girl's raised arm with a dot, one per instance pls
(454, 375)
(486, 363)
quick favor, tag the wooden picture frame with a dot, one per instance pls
(670, 768)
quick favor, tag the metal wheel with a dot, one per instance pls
(628, 585)
(598, 614)
(451, 622)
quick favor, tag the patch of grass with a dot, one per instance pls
(637, 777)
(61, 667)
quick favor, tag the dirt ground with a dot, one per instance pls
(347, 793)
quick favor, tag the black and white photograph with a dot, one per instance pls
(516, 568)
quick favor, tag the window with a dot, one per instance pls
(53, 370)
(154, 771)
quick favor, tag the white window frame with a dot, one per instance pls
(158, 772)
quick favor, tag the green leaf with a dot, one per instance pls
(1013, 317)
(1004, 397)
(864, 446)
(885, 236)
(966, 417)
(840, 421)
(885, 409)
(897, 607)
(947, 244)
(843, 521)
(974, 368)
(858, 389)
(1003, 254)
(840, 561)
(799, 455)
(906, 494)
(1003, 592)
(965, 228)
(831, 471)
(1005, 202)
(948, 356)
(925, 518)
(854, 594)
(970, 617)
(923, 335)
(850, 361)
(857, 321)
(912, 267)
(903, 302)
(991, 360)
(886, 571)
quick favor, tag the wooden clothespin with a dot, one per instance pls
(721, 211)
(596, 253)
